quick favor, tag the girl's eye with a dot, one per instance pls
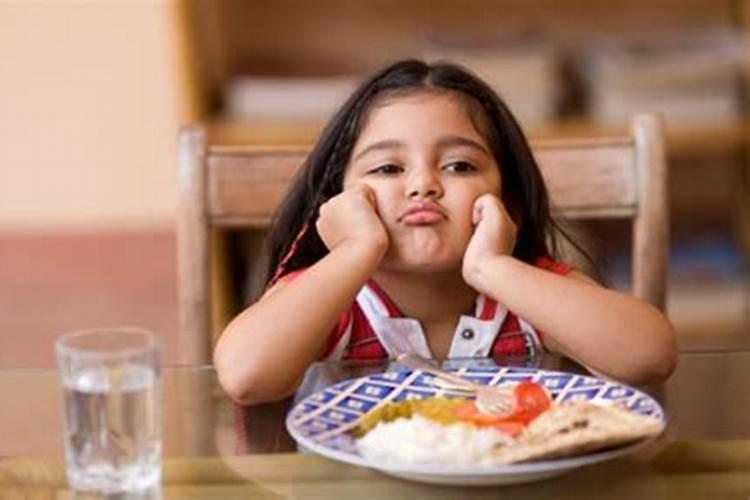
(460, 167)
(388, 168)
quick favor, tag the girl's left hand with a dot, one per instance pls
(494, 234)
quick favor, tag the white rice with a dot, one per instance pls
(418, 440)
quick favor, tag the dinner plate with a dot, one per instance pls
(322, 422)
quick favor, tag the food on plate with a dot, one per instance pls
(438, 410)
(530, 400)
(451, 431)
(578, 427)
(419, 440)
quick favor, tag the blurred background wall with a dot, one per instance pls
(91, 95)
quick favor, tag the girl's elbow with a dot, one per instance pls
(670, 358)
(236, 391)
(237, 373)
(231, 380)
(664, 361)
(663, 367)
(243, 387)
(255, 391)
(654, 357)
(247, 382)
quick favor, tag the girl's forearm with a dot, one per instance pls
(264, 352)
(610, 332)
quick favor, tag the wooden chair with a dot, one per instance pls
(228, 188)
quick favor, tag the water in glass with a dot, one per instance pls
(112, 405)
(113, 432)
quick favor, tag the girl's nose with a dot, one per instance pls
(424, 183)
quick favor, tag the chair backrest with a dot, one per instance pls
(240, 187)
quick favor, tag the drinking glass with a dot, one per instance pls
(112, 406)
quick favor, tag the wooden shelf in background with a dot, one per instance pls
(681, 141)
(685, 140)
(235, 133)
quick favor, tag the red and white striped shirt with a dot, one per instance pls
(373, 328)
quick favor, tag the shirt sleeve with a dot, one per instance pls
(549, 264)
(290, 276)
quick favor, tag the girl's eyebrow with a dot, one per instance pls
(443, 142)
(386, 144)
(457, 140)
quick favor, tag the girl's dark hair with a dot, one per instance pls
(294, 242)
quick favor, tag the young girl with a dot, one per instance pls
(420, 221)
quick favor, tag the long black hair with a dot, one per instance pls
(294, 242)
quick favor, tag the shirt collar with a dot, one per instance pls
(473, 337)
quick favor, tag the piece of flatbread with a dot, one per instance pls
(575, 428)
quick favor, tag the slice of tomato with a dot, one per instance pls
(468, 412)
(531, 400)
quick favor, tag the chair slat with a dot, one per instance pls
(589, 179)
(585, 178)
(246, 189)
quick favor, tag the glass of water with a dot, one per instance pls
(112, 406)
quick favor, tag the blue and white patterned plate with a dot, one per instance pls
(322, 422)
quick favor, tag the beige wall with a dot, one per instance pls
(91, 96)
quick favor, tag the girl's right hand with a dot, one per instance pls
(352, 217)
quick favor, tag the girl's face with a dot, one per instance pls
(426, 163)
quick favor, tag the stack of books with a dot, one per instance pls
(287, 98)
(693, 78)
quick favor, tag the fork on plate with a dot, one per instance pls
(490, 399)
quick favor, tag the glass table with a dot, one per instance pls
(212, 450)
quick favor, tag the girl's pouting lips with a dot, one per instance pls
(425, 213)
